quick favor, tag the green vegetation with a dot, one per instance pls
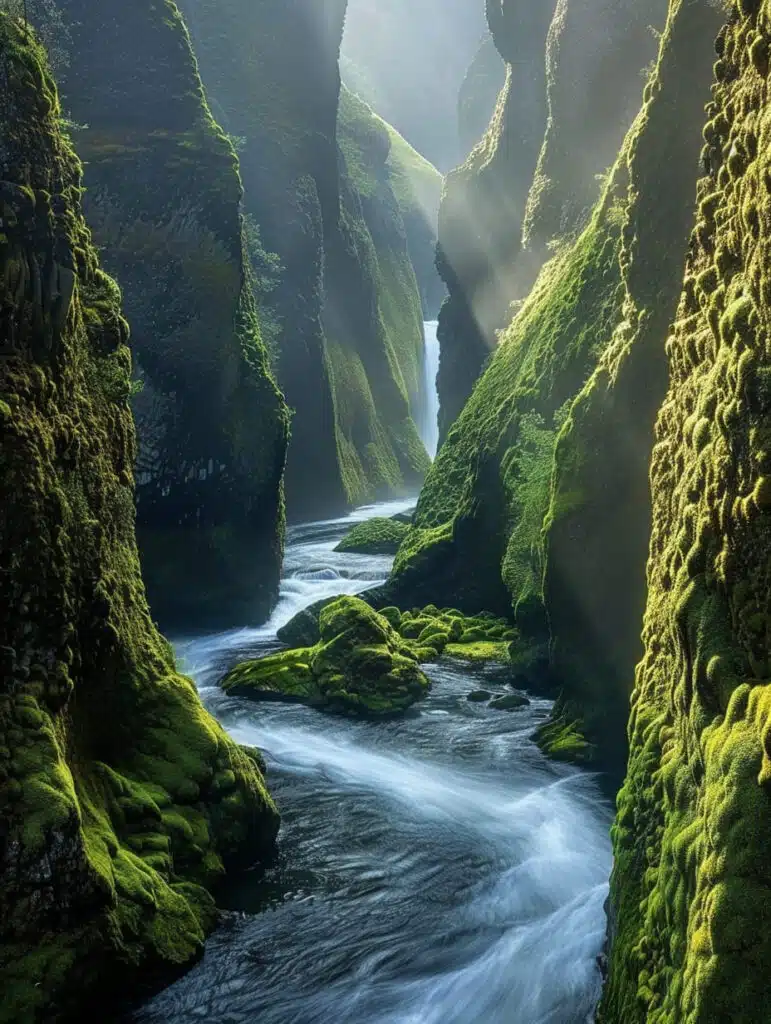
(691, 881)
(360, 666)
(542, 480)
(344, 308)
(122, 800)
(163, 200)
(374, 537)
(430, 632)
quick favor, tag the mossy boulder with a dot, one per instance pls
(360, 666)
(122, 801)
(374, 537)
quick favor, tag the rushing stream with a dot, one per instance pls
(435, 869)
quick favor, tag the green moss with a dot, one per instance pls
(113, 824)
(691, 839)
(543, 477)
(374, 537)
(360, 666)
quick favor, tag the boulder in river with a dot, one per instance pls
(510, 702)
(374, 537)
(360, 666)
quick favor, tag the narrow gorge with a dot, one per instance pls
(385, 516)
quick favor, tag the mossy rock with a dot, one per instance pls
(374, 537)
(360, 666)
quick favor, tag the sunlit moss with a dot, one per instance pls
(692, 839)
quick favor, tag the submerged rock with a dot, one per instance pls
(510, 702)
(479, 696)
(360, 666)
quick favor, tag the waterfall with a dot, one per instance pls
(429, 419)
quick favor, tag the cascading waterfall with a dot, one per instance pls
(429, 420)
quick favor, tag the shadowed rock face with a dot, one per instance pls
(121, 799)
(346, 299)
(538, 500)
(164, 199)
(479, 94)
(574, 79)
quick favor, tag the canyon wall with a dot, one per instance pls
(691, 881)
(163, 199)
(538, 503)
(575, 73)
(347, 316)
(121, 800)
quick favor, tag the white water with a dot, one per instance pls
(429, 421)
(435, 869)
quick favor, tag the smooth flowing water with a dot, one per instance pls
(435, 869)
(429, 424)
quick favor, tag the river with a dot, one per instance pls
(435, 869)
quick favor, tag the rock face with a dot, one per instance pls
(349, 339)
(408, 60)
(121, 800)
(542, 481)
(479, 93)
(574, 79)
(164, 199)
(692, 880)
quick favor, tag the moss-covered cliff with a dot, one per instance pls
(348, 314)
(121, 800)
(691, 884)
(537, 502)
(574, 79)
(483, 206)
(164, 199)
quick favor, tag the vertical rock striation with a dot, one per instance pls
(121, 799)
(272, 70)
(164, 198)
